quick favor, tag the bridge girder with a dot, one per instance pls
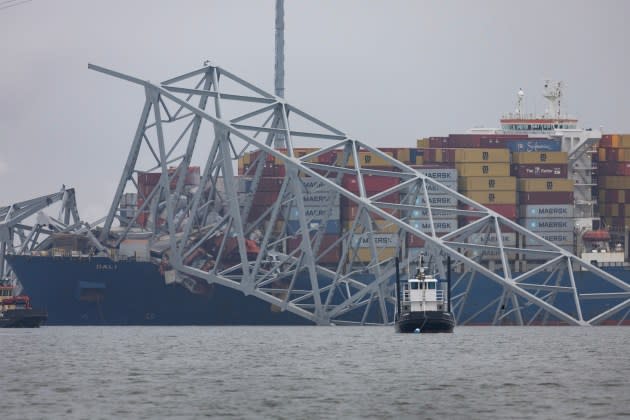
(212, 116)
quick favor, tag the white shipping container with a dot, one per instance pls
(546, 210)
(316, 213)
(381, 240)
(508, 238)
(138, 248)
(423, 214)
(441, 225)
(548, 224)
(437, 200)
(557, 238)
(440, 174)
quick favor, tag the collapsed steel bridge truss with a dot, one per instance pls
(18, 236)
(213, 118)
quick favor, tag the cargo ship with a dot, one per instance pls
(527, 171)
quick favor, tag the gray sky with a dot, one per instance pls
(386, 72)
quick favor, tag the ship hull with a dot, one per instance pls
(426, 322)
(99, 291)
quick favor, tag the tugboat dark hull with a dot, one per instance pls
(426, 322)
(23, 318)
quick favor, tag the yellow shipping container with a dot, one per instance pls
(624, 140)
(540, 157)
(365, 254)
(404, 155)
(546, 185)
(247, 158)
(483, 169)
(422, 143)
(615, 182)
(370, 159)
(482, 155)
(616, 210)
(492, 197)
(480, 183)
(621, 197)
(379, 226)
(419, 160)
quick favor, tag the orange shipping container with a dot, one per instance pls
(480, 183)
(371, 159)
(483, 169)
(482, 155)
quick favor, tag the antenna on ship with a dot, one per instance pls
(553, 94)
(519, 102)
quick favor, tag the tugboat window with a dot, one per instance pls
(414, 286)
(431, 285)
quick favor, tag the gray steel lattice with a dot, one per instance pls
(212, 116)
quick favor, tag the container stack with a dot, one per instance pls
(546, 196)
(614, 182)
(443, 222)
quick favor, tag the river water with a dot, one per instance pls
(314, 372)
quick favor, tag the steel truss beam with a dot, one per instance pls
(18, 236)
(270, 243)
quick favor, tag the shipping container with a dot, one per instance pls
(381, 240)
(265, 198)
(316, 213)
(614, 182)
(539, 157)
(557, 238)
(549, 210)
(438, 200)
(545, 198)
(371, 159)
(441, 225)
(557, 170)
(615, 140)
(372, 183)
(546, 185)
(506, 183)
(378, 226)
(614, 196)
(483, 169)
(444, 175)
(423, 213)
(614, 168)
(270, 184)
(482, 155)
(522, 145)
(616, 223)
(492, 197)
(608, 154)
(616, 210)
(509, 239)
(506, 210)
(548, 224)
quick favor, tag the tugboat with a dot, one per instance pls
(422, 307)
(16, 311)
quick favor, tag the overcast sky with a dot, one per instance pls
(386, 72)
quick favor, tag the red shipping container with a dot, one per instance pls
(606, 141)
(265, 198)
(545, 198)
(272, 184)
(372, 183)
(614, 168)
(535, 170)
(462, 141)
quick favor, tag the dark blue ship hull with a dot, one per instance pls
(97, 290)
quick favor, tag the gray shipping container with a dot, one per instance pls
(557, 238)
(441, 225)
(546, 210)
(548, 224)
(438, 200)
(440, 174)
